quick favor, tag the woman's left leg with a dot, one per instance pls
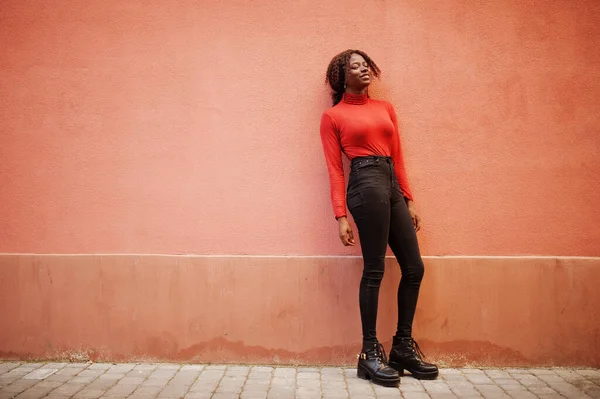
(405, 353)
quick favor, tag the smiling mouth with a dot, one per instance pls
(366, 75)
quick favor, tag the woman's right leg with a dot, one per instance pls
(372, 220)
(368, 201)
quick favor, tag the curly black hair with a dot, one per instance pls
(336, 72)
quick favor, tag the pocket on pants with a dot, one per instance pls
(353, 199)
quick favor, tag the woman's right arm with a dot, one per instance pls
(333, 156)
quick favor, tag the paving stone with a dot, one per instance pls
(308, 370)
(510, 388)
(211, 374)
(58, 378)
(215, 367)
(68, 389)
(284, 372)
(121, 390)
(100, 366)
(228, 389)
(19, 386)
(308, 375)
(331, 370)
(40, 374)
(196, 395)
(32, 393)
(91, 373)
(416, 395)
(173, 391)
(328, 384)
(54, 365)
(281, 393)
(541, 371)
(592, 391)
(523, 395)
(145, 366)
(259, 385)
(148, 391)
(194, 367)
(131, 380)
(436, 386)
(545, 390)
(202, 385)
(81, 380)
(78, 365)
(70, 371)
(225, 395)
(102, 384)
(251, 394)
(139, 373)
(569, 375)
(31, 366)
(440, 396)
(305, 382)
(567, 390)
(479, 379)
(155, 382)
(121, 368)
(163, 373)
(111, 376)
(497, 374)
(334, 394)
(237, 370)
(89, 393)
(590, 373)
(411, 387)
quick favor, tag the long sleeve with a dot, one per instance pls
(333, 156)
(398, 157)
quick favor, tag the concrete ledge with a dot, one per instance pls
(485, 311)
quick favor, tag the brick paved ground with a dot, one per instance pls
(102, 380)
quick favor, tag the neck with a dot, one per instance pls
(355, 99)
(351, 90)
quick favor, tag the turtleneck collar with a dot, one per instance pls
(355, 99)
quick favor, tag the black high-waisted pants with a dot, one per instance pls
(379, 210)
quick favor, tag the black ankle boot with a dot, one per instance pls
(372, 365)
(406, 355)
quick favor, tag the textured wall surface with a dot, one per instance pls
(192, 126)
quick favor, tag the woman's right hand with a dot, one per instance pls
(346, 232)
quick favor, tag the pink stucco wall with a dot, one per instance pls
(132, 128)
(192, 127)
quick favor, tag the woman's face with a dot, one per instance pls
(358, 74)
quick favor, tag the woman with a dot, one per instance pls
(380, 201)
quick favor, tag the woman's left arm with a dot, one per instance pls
(400, 169)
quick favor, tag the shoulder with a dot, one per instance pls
(382, 103)
(332, 114)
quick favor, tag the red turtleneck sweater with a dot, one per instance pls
(359, 126)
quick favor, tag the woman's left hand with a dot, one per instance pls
(413, 215)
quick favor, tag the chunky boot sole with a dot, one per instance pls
(365, 375)
(416, 374)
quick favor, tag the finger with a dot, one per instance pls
(418, 223)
